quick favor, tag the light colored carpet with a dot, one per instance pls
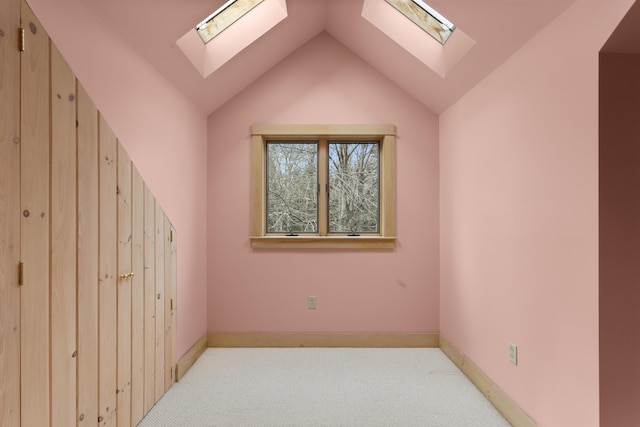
(324, 387)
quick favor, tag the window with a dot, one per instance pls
(222, 18)
(425, 17)
(323, 186)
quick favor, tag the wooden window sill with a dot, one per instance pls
(323, 242)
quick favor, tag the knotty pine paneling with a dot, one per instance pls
(88, 191)
(63, 242)
(137, 298)
(169, 325)
(173, 289)
(89, 338)
(9, 215)
(149, 300)
(124, 287)
(34, 227)
(107, 275)
(160, 367)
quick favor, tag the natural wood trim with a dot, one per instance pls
(388, 186)
(453, 354)
(353, 340)
(318, 131)
(323, 183)
(384, 133)
(322, 242)
(503, 403)
(258, 186)
(190, 357)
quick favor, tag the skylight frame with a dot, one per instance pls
(446, 25)
(203, 27)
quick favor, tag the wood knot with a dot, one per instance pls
(16, 140)
(33, 28)
(72, 97)
(26, 213)
(75, 353)
(81, 417)
(100, 418)
(42, 215)
(1, 33)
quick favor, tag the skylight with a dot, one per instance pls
(425, 17)
(222, 18)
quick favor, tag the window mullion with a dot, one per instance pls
(323, 185)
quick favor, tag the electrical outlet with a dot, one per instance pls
(312, 302)
(513, 353)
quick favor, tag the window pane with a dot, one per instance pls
(354, 187)
(222, 18)
(292, 187)
(425, 17)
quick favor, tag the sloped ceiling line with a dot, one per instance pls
(498, 27)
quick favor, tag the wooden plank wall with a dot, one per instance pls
(9, 215)
(159, 350)
(107, 255)
(63, 241)
(172, 278)
(124, 286)
(87, 337)
(34, 181)
(149, 299)
(87, 285)
(137, 299)
(169, 304)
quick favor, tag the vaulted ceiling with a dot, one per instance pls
(498, 29)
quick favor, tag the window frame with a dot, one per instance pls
(385, 239)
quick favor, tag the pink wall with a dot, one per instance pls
(519, 218)
(164, 134)
(619, 239)
(357, 290)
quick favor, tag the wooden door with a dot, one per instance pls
(160, 290)
(88, 284)
(9, 214)
(125, 276)
(87, 327)
(137, 299)
(170, 306)
(63, 242)
(107, 275)
(34, 247)
(149, 299)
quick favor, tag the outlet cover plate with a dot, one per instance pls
(312, 302)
